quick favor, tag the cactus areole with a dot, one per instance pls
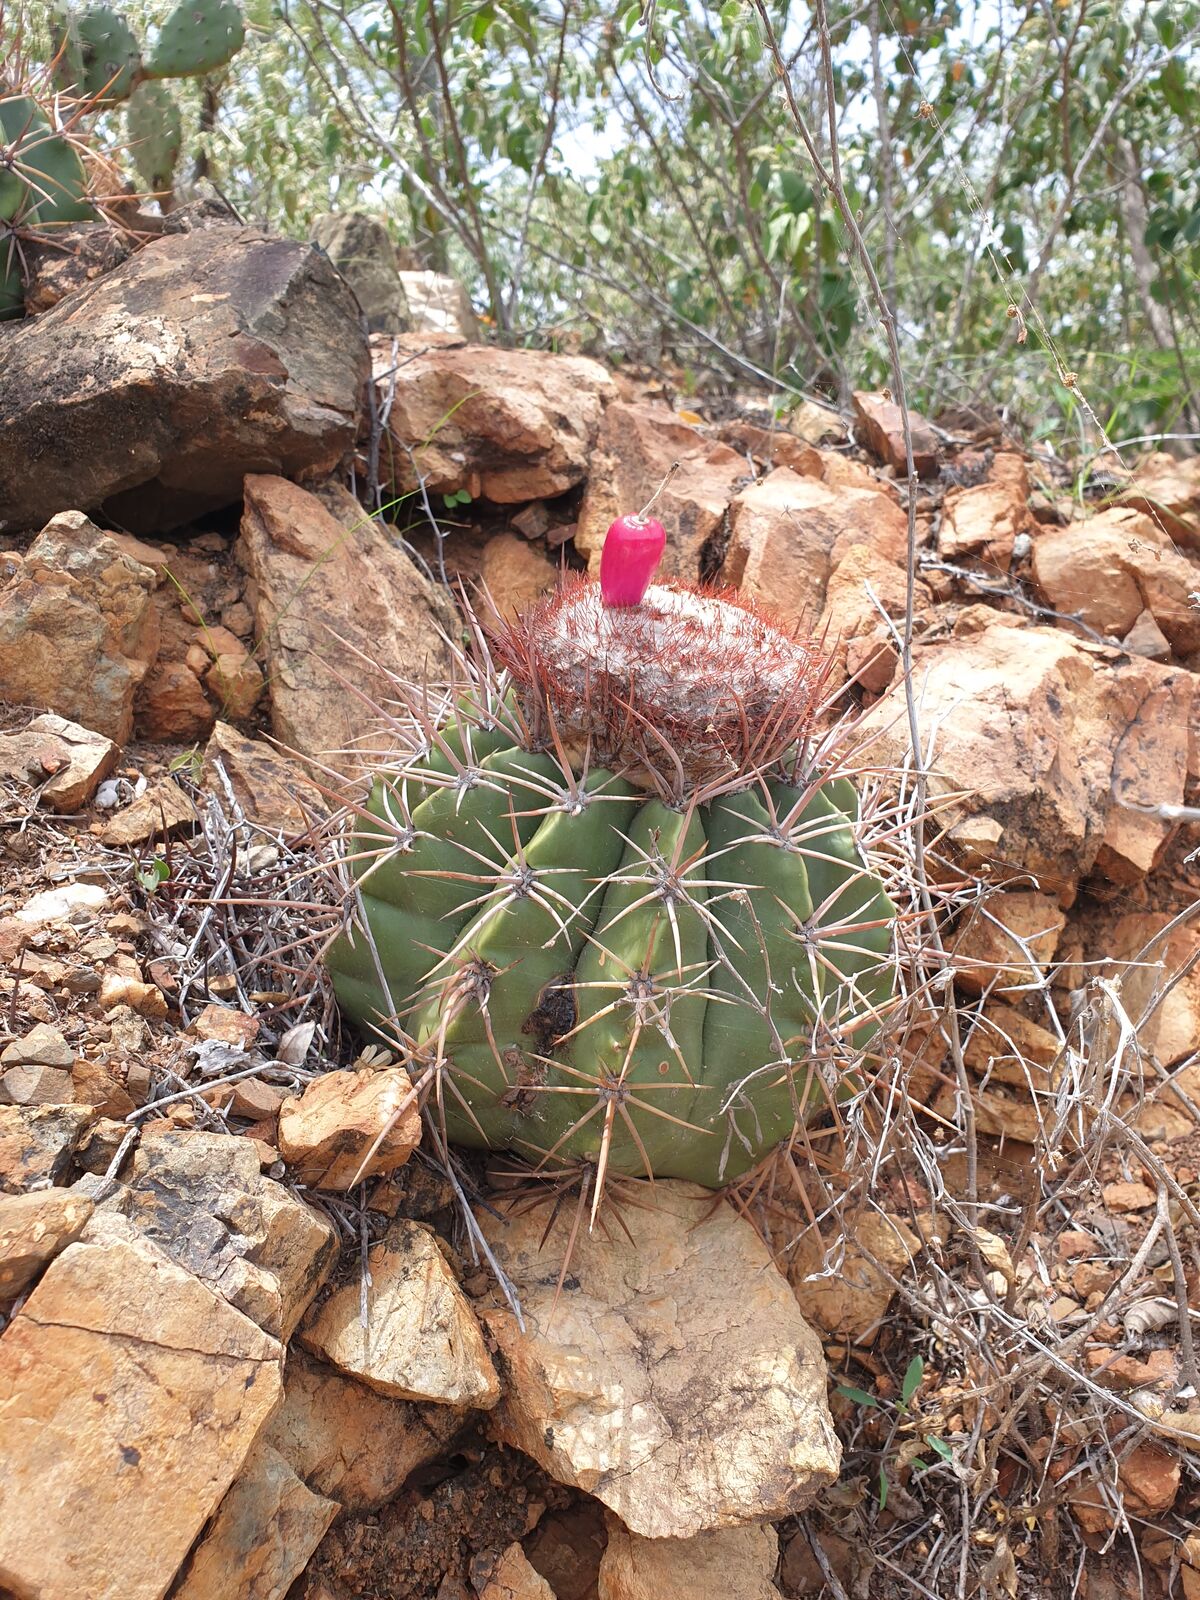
(608, 910)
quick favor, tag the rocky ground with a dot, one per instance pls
(942, 1347)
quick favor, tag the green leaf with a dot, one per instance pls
(940, 1446)
(912, 1379)
(152, 876)
(859, 1396)
(883, 1488)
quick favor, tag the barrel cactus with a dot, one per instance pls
(607, 908)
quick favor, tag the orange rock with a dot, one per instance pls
(329, 1132)
(515, 573)
(881, 430)
(172, 706)
(985, 519)
(1008, 939)
(1169, 491)
(235, 683)
(505, 425)
(267, 786)
(635, 449)
(66, 763)
(228, 1026)
(1150, 1476)
(1159, 1369)
(1121, 1197)
(1114, 566)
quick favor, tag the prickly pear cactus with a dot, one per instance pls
(155, 128)
(43, 185)
(102, 55)
(198, 37)
(608, 909)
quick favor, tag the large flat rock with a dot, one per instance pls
(154, 390)
(130, 1396)
(673, 1377)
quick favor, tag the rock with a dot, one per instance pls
(236, 1028)
(203, 357)
(872, 659)
(984, 520)
(365, 256)
(163, 809)
(675, 1378)
(788, 534)
(360, 592)
(534, 521)
(635, 449)
(34, 1227)
(846, 1287)
(1171, 1030)
(439, 304)
(514, 574)
(880, 429)
(511, 1577)
(330, 1132)
(708, 1566)
(1169, 491)
(1114, 566)
(421, 1341)
(1150, 1477)
(76, 902)
(130, 1396)
(235, 683)
(1005, 1046)
(64, 762)
(35, 1086)
(38, 1142)
(1147, 639)
(172, 707)
(769, 447)
(42, 1046)
(68, 258)
(259, 1542)
(201, 1198)
(503, 425)
(94, 1085)
(1008, 940)
(567, 1547)
(348, 1442)
(862, 581)
(266, 787)
(815, 423)
(77, 627)
(1044, 736)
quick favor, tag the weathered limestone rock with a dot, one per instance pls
(164, 809)
(202, 1198)
(130, 1396)
(505, 425)
(172, 706)
(844, 1286)
(984, 520)
(509, 1577)
(34, 1227)
(64, 762)
(203, 357)
(514, 573)
(348, 1442)
(260, 1540)
(42, 1046)
(67, 258)
(635, 449)
(1169, 491)
(266, 787)
(77, 627)
(1045, 735)
(29, 1084)
(708, 1566)
(328, 1132)
(360, 592)
(38, 1142)
(1172, 1030)
(1007, 940)
(675, 1378)
(880, 429)
(438, 304)
(421, 1341)
(362, 252)
(1114, 566)
(788, 535)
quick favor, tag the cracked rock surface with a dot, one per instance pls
(674, 1379)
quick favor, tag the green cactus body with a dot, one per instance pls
(155, 128)
(103, 56)
(43, 185)
(198, 37)
(581, 970)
